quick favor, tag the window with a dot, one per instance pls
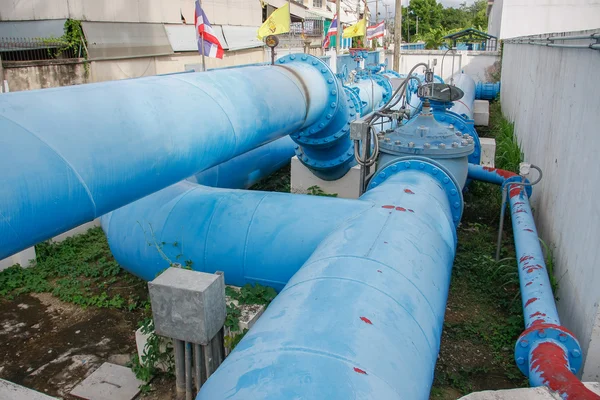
(318, 3)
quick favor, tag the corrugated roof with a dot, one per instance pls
(183, 37)
(125, 39)
(241, 37)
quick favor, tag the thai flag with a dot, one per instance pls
(376, 31)
(212, 47)
(331, 32)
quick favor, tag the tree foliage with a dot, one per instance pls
(435, 21)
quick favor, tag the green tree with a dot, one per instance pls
(455, 18)
(477, 14)
(434, 38)
(429, 12)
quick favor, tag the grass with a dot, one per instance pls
(81, 271)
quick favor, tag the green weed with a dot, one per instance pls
(317, 191)
(79, 270)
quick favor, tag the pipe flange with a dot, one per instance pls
(540, 332)
(386, 85)
(332, 86)
(461, 125)
(354, 99)
(518, 179)
(438, 172)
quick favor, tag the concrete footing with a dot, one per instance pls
(348, 187)
(537, 393)
(481, 112)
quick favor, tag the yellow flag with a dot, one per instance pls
(278, 22)
(358, 29)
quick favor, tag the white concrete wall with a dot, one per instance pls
(528, 17)
(229, 12)
(551, 94)
(473, 63)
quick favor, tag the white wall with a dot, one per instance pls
(226, 12)
(473, 63)
(533, 17)
(551, 94)
(495, 18)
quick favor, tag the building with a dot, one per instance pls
(513, 18)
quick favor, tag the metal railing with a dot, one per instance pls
(35, 49)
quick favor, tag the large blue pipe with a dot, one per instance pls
(252, 236)
(385, 275)
(464, 106)
(154, 132)
(247, 169)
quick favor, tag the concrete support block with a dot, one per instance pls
(81, 229)
(535, 393)
(348, 187)
(481, 112)
(25, 259)
(488, 151)
(188, 305)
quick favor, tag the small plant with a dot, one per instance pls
(249, 294)
(79, 270)
(550, 267)
(317, 191)
(157, 352)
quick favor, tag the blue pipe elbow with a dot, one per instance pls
(233, 231)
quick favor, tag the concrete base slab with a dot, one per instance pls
(488, 151)
(537, 393)
(481, 112)
(12, 391)
(302, 179)
(109, 382)
(25, 259)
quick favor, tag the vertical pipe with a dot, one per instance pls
(179, 350)
(208, 359)
(188, 371)
(198, 366)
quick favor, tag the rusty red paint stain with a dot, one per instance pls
(537, 314)
(381, 272)
(528, 230)
(389, 207)
(519, 203)
(528, 283)
(532, 268)
(514, 191)
(360, 371)
(520, 211)
(408, 191)
(531, 300)
(502, 172)
(525, 258)
(550, 362)
(366, 320)
(400, 209)
(412, 211)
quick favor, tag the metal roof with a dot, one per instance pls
(469, 33)
(183, 37)
(32, 29)
(107, 40)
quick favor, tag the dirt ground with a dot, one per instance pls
(50, 345)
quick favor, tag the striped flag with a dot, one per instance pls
(376, 31)
(212, 47)
(332, 31)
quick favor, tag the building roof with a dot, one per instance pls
(469, 34)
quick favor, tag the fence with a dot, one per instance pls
(34, 49)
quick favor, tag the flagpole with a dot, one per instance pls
(202, 45)
(338, 36)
